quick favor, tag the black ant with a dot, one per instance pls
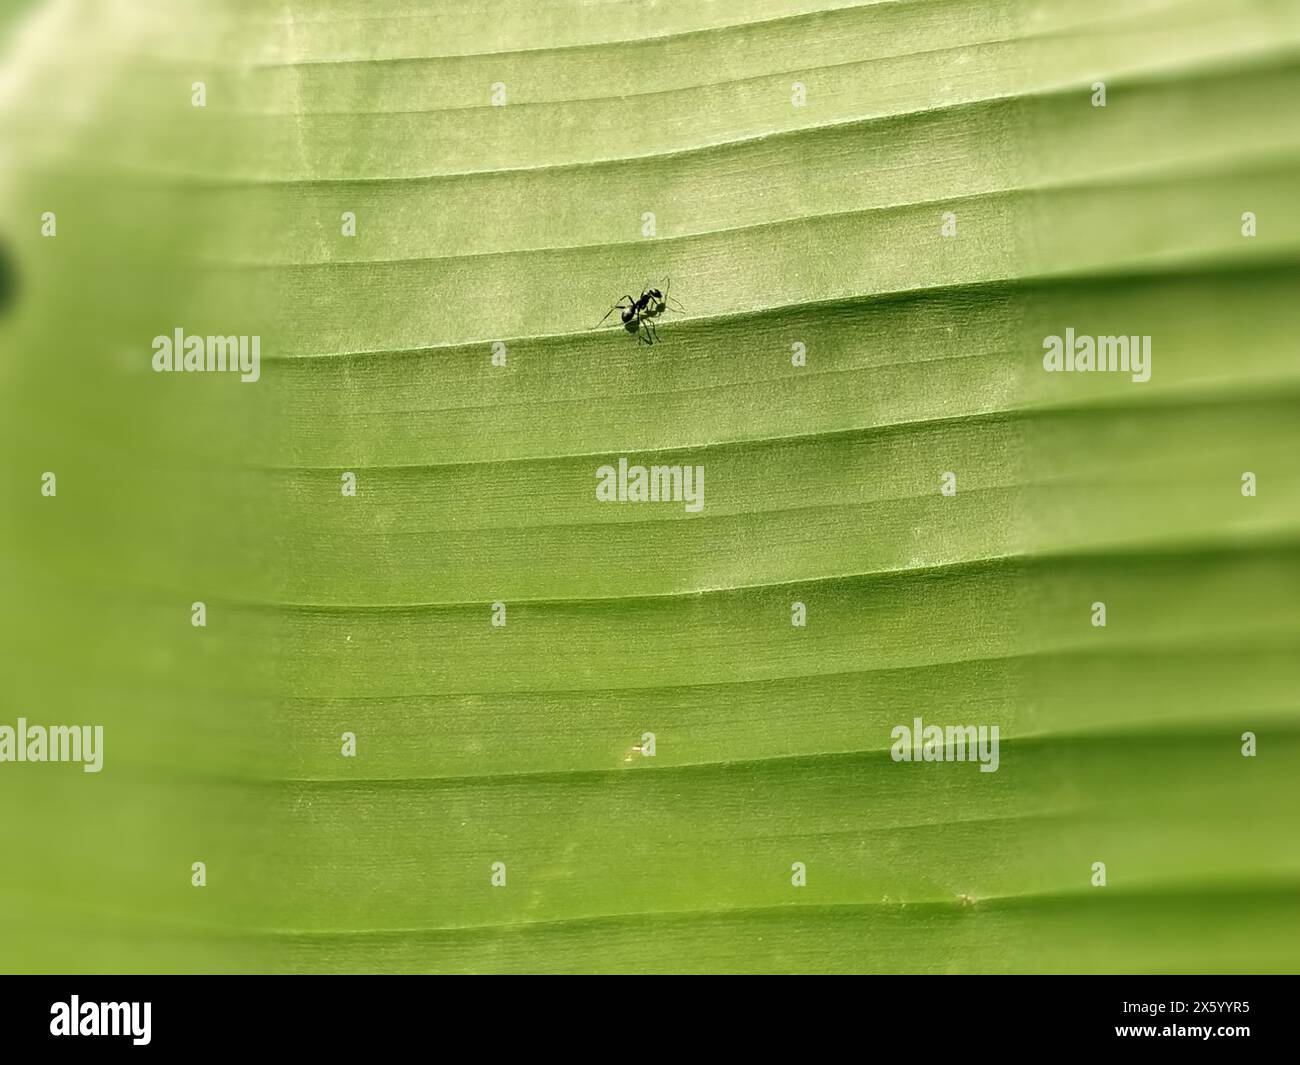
(639, 314)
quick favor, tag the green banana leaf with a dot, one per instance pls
(679, 751)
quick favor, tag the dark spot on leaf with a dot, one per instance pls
(8, 277)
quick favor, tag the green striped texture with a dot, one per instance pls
(817, 225)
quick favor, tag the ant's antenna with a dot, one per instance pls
(668, 282)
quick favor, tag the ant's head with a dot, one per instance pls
(656, 294)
